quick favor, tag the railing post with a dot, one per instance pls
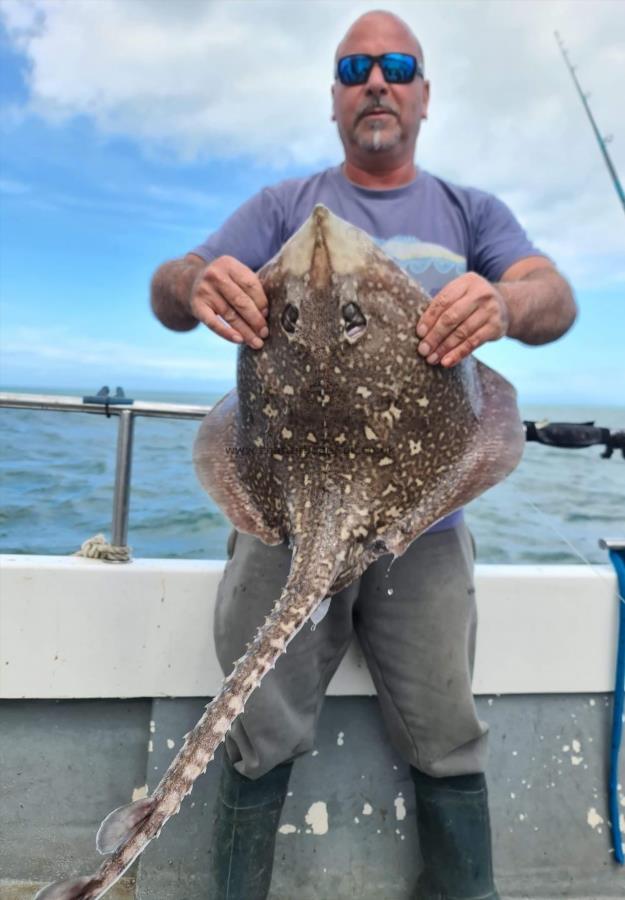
(121, 498)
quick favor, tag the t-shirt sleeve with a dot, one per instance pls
(252, 234)
(499, 240)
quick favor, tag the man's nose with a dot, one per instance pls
(376, 81)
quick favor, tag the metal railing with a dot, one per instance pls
(127, 411)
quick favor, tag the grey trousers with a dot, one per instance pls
(416, 623)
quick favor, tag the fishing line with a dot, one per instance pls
(549, 521)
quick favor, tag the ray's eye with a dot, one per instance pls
(355, 322)
(290, 315)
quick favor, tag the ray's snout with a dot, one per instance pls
(323, 246)
(320, 263)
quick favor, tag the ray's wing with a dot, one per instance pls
(493, 452)
(216, 464)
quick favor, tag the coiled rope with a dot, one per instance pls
(97, 547)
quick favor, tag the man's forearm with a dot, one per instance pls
(541, 306)
(170, 293)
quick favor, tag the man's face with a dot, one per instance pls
(377, 117)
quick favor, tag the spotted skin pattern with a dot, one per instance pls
(339, 439)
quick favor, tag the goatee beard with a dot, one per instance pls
(373, 139)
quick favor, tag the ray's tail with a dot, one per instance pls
(127, 831)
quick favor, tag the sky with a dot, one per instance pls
(130, 129)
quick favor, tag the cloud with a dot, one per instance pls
(202, 78)
(60, 353)
(13, 187)
(180, 196)
(155, 207)
(251, 80)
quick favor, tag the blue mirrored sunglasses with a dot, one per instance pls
(397, 68)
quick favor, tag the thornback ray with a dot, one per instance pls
(340, 439)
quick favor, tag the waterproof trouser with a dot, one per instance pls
(415, 619)
(244, 837)
(454, 835)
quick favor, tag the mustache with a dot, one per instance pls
(374, 106)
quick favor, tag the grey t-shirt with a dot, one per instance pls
(435, 230)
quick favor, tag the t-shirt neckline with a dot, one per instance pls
(379, 192)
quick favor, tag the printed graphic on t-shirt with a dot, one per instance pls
(432, 265)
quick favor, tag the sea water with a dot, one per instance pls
(58, 470)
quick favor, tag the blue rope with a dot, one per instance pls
(618, 561)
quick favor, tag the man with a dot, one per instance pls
(489, 281)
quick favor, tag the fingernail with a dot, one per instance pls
(266, 311)
(264, 332)
(433, 358)
(257, 343)
(424, 348)
(237, 339)
(422, 330)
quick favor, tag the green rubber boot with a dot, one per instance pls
(454, 836)
(246, 822)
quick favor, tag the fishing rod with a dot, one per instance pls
(574, 435)
(601, 140)
(585, 434)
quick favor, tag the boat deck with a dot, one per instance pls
(104, 668)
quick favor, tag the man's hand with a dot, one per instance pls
(466, 313)
(229, 298)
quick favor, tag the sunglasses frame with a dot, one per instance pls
(380, 60)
